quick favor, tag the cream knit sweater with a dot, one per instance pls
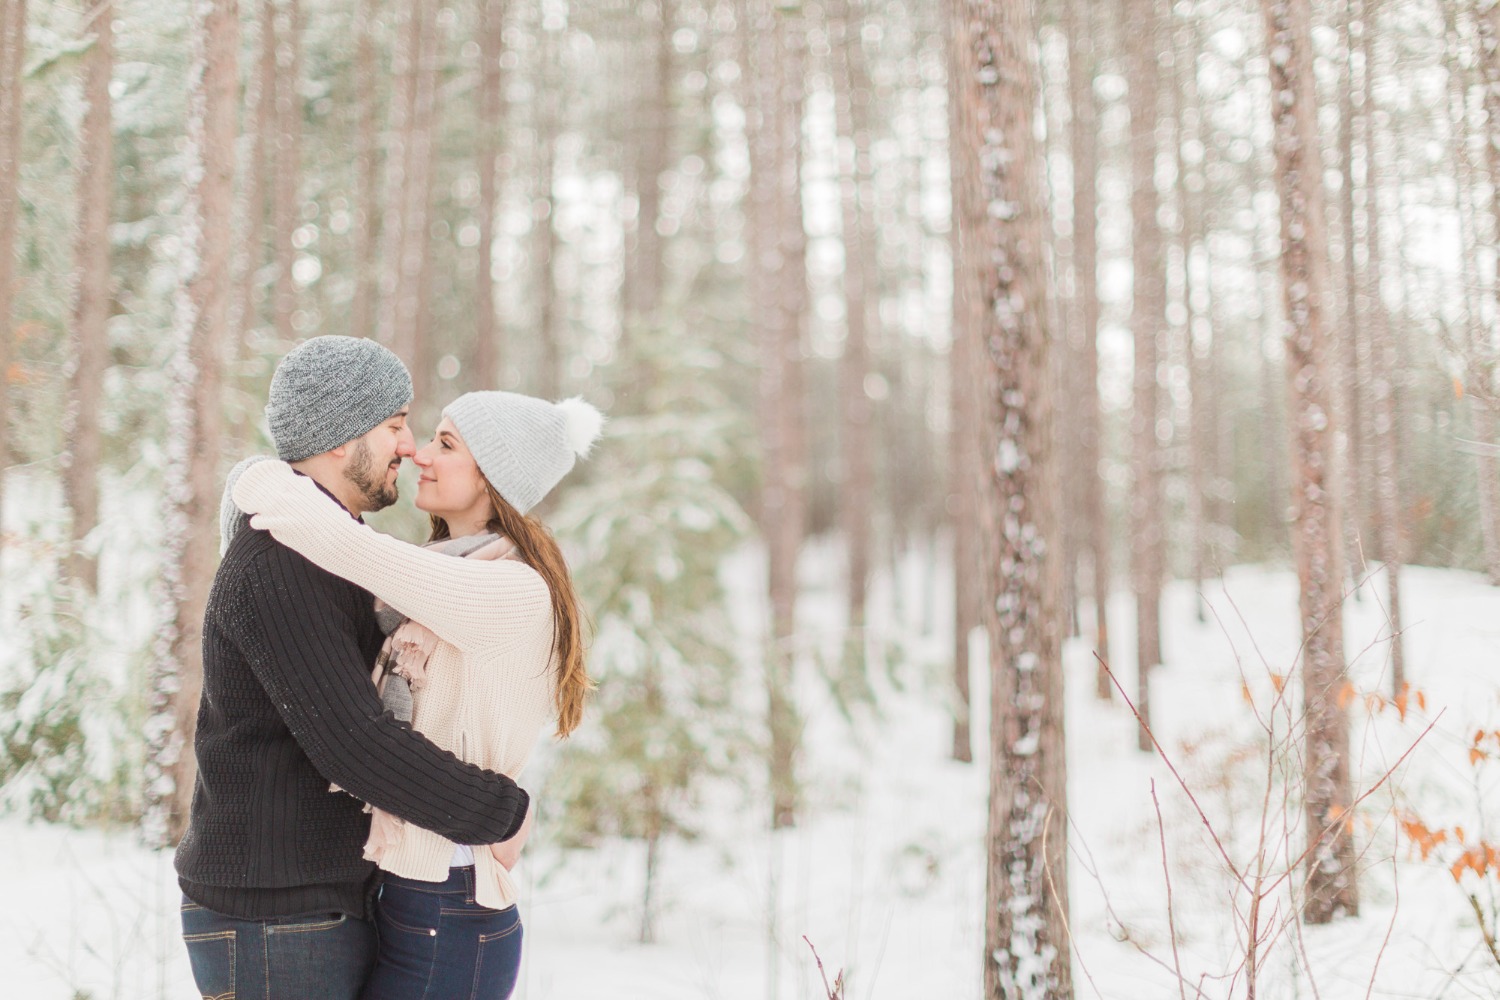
(489, 688)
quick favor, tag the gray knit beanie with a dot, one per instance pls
(329, 391)
(522, 444)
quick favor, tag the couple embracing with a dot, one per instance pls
(367, 703)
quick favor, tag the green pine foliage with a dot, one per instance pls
(64, 755)
(648, 533)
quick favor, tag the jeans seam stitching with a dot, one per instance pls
(323, 925)
(478, 971)
(231, 936)
(487, 938)
(425, 931)
(405, 886)
(469, 911)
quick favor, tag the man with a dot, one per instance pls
(276, 891)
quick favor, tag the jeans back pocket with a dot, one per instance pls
(211, 955)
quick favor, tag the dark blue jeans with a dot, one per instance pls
(326, 956)
(436, 943)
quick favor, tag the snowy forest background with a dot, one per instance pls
(922, 326)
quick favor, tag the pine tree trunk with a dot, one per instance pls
(248, 253)
(92, 305)
(417, 263)
(1330, 888)
(1082, 17)
(644, 264)
(1473, 348)
(648, 887)
(1064, 315)
(857, 487)
(365, 237)
(548, 379)
(1483, 420)
(491, 104)
(774, 46)
(964, 461)
(12, 104)
(1274, 455)
(1488, 23)
(285, 209)
(192, 488)
(1355, 349)
(1026, 949)
(1146, 315)
(398, 293)
(785, 507)
(1385, 367)
(1199, 340)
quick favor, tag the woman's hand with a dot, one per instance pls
(508, 852)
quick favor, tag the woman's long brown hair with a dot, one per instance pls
(540, 551)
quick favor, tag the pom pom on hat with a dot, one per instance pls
(582, 424)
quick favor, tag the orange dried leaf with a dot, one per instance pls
(1278, 681)
(1458, 387)
(1476, 755)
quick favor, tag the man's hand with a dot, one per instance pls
(508, 852)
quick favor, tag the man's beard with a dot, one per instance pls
(369, 480)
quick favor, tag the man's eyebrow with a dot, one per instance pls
(401, 414)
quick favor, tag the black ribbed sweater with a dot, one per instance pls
(287, 709)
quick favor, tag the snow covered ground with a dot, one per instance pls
(885, 876)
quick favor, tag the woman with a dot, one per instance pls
(490, 644)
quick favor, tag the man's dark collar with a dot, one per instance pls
(331, 496)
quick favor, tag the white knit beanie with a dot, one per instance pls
(522, 444)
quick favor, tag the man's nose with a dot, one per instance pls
(406, 444)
